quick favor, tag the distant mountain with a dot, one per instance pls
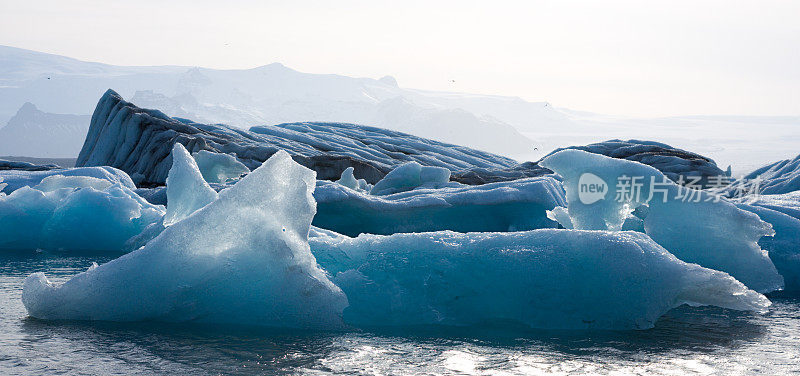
(453, 125)
(35, 133)
(63, 85)
(270, 94)
(274, 94)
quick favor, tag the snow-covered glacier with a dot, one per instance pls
(694, 225)
(247, 258)
(329, 149)
(139, 141)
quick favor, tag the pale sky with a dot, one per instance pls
(638, 58)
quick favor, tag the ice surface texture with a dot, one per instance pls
(349, 180)
(74, 213)
(775, 178)
(783, 247)
(23, 178)
(507, 206)
(786, 203)
(409, 176)
(218, 167)
(542, 278)
(25, 166)
(672, 162)
(139, 141)
(711, 232)
(242, 259)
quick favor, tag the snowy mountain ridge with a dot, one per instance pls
(274, 94)
(34, 132)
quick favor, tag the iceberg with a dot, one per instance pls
(676, 164)
(218, 167)
(479, 175)
(187, 191)
(242, 259)
(506, 206)
(16, 179)
(775, 178)
(252, 257)
(694, 225)
(786, 203)
(25, 166)
(556, 279)
(783, 247)
(139, 141)
(409, 176)
(348, 179)
(74, 213)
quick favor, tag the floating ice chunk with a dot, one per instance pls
(23, 214)
(596, 207)
(256, 269)
(219, 167)
(16, 179)
(73, 218)
(2, 186)
(633, 223)
(409, 176)
(784, 247)
(542, 278)
(186, 190)
(506, 206)
(559, 214)
(676, 164)
(692, 224)
(88, 219)
(348, 179)
(364, 186)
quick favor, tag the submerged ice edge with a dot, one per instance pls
(245, 258)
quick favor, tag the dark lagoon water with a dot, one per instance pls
(685, 341)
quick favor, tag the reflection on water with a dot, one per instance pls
(687, 340)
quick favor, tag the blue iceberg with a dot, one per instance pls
(252, 257)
